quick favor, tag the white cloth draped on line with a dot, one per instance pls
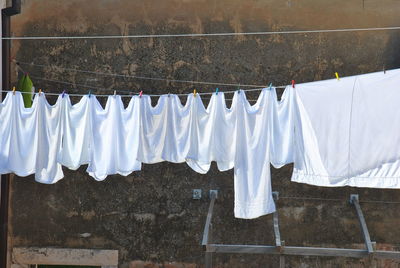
(345, 132)
(117, 140)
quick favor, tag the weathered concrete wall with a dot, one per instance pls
(150, 215)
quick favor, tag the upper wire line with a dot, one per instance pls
(200, 34)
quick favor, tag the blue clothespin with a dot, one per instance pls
(90, 93)
(270, 86)
(216, 91)
(63, 94)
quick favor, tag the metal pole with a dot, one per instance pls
(363, 224)
(278, 241)
(6, 84)
(208, 230)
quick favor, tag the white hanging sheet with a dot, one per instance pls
(345, 132)
(117, 140)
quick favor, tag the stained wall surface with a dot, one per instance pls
(150, 215)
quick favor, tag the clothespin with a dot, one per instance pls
(293, 83)
(384, 69)
(13, 90)
(115, 93)
(337, 76)
(194, 93)
(63, 93)
(40, 91)
(140, 93)
(270, 86)
(216, 91)
(90, 93)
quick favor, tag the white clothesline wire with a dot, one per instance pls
(199, 34)
(137, 77)
(131, 92)
(137, 93)
(122, 95)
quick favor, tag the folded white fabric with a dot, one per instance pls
(345, 132)
(116, 140)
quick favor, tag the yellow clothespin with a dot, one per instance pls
(13, 90)
(40, 91)
(337, 76)
(194, 93)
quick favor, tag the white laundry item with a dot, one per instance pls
(114, 137)
(164, 129)
(213, 134)
(30, 138)
(255, 127)
(6, 115)
(75, 148)
(346, 131)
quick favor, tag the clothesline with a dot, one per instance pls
(122, 96)
(200, 34)
(130, 92)
(140, 77)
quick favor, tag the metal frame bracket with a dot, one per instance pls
(281, 249)
(354, 200)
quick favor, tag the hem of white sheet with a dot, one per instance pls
(330, 181)
(254, 210)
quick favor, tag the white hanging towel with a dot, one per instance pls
(76, 125)
(30, 138)
(114, 138)
(345, 132)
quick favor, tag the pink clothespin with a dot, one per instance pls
(140, 94)
(293, 83)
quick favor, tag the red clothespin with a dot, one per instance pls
(293, 83)
(140, 94)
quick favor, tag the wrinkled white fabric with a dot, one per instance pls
(30, 138)
(345, 132)
(75, 148)
(116, 140)
(253, 193)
